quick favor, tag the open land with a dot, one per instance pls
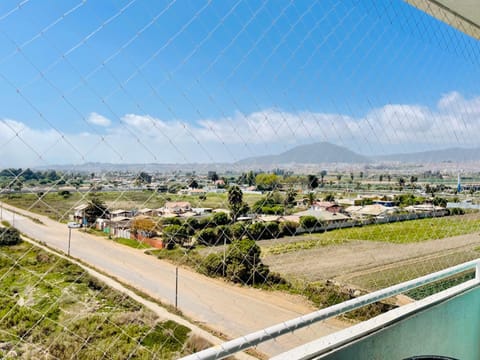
(52, 308)
(376, 256)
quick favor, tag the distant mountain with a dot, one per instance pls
(317, 153)
(434, 156)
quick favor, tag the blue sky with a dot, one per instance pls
(195, 81)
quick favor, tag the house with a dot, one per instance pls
(79, 213)
(369, 211)
(121, 213)
(119, 226)
(327, 206)
(323, 215)
(177, 207)
(146, 212)
(424, 208)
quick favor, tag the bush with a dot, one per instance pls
(238, 230)
(173, 234)
(456, 211)
(206, 222)
(255, 231)
(308, 221)
(220, 218)
(207, 236)
(212, 265)
(171, 221)
(244, 264)
(272, 230)
(272, 210)
(9, 236)
(288, 228)
(192, 223)
(224, 234)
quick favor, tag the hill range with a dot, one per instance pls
(324, 152)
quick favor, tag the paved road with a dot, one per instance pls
(232, 310)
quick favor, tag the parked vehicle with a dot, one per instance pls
(74, 225)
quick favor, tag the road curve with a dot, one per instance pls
(230, 309)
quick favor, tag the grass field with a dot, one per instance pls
(59, 207)
(398, 233)
(52, 308)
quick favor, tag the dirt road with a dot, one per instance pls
(232, 310)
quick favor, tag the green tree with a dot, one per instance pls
(267, 181)
(235, 201)
(329, 197)
(193, 184)
(310, 198)
(95, 209)
(290, 197)
(243, 263)
(312, 182)
(220, 218)
(323, 173)
(144, 178)
(173, 234)
(212, 175)
(251, 178)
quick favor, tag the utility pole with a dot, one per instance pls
(69, 238)
(224, 254)
(176, 287)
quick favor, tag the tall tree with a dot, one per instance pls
(94, 210)
(312, 182)
(235, 201)
(323, 173)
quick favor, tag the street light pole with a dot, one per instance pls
(69, 238)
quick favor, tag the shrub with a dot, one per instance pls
(288, 228)
(9, 236)
(220, 218)
(456, 211)
(272, 230)
(206, 222)
(308, 221)
(171, 221)
(192, 223)
(224, 234)
(238, 230)
(272, 210)
(255, 231)
(207, 236)
(173, 234)
(212, 265)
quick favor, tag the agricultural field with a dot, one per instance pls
(376, 256)
(405, 232)
(52, 308)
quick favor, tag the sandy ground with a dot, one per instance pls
(342, 262)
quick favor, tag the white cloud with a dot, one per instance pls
(455, 121)
(97, 119)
